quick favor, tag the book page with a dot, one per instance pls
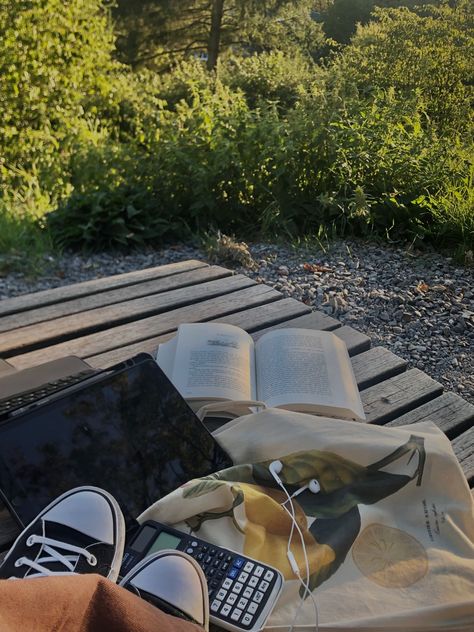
(165, 356)
(306, 367)
(214, 361)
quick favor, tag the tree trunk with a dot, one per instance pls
(215, 33)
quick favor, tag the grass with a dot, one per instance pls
(24, 244)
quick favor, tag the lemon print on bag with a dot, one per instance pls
(267, 530)
(389, 557)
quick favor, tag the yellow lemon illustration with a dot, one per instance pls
(268, 528)
(389, 557)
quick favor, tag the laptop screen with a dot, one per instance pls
(130, 433)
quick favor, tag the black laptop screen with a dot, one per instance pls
(130, 433)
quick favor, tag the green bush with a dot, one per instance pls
(117, 218)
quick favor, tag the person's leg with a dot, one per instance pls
(80, 603)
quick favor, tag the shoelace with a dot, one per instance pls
(53, 555)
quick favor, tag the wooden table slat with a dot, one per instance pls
(398, 395)
(376, 365)
(246, 319)
(356, 341)
(39, 335)
(463, 447)
(66, 292)
(122, 335)
(312, 320)
(110, 297)
(449, 412)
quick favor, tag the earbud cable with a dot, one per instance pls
(305, 584)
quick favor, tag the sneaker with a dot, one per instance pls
(82, 531)
(173, 582)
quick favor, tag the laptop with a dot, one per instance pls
(21, 388)
(126, 430)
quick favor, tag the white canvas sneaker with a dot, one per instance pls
(82, 531)
(173, 582)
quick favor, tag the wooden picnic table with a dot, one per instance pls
(110, 319)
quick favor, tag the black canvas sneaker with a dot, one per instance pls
(173, 582)
(82, 531)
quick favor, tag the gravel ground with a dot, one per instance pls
(421, 307)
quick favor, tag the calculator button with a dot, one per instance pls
(194, 544)
(205, 549)
(220, 576)
(211, 572)
(239, 562)
(221, 555)
(263, 585)
(247, 619)
(269, 576)
(248, 567)
(229, 559)
(208, 559)
(258, 571)
(212, 552)
(225, 566)
(253, 581)
(216, 563)
(237, 587)
(258, 596)
(215, 605)
(226, 608)
(231, 599)
(253, 607)
(235, 616)
(242, 603)
(200, 556)
(248, 592)
(221, 594)
(189, 551)
(227, 584)
(243, 577)
(233, 573)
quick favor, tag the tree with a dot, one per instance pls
(429, 51)
(156, 32)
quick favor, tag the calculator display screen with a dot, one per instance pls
(164, 541)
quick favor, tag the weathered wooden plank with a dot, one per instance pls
(398, 395)
(5, 368)
(42, 334)
(452, 414)
(110, 297)
(66, 292)
(356, 341)
(376, 365)
(312, 320)
(122, 335)
(248, 319)
(463, 447)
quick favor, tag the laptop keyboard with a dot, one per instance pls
(13, 402)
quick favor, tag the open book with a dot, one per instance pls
(296, 369)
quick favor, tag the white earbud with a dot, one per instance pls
(313, 487)
(275, 468)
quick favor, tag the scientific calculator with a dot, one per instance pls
(242, 591)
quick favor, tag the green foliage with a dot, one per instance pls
(118, 218)
(274, 76)
(376, 141)
(435, 59)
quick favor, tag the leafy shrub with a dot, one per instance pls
(429, 51)
(274, 76)
(122, 217)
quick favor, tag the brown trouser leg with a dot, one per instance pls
(79, 603)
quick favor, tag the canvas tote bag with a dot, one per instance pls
(389, 537)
